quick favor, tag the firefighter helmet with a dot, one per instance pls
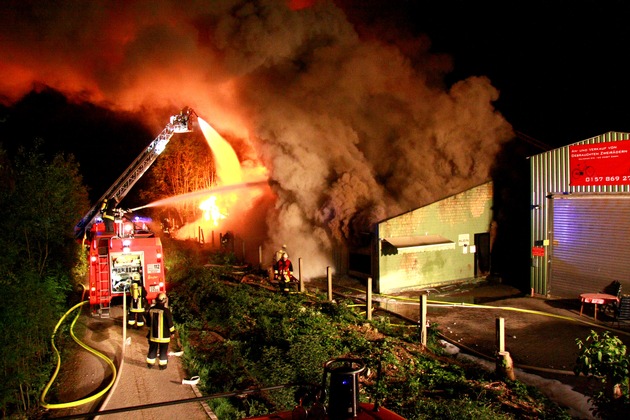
(161, 297)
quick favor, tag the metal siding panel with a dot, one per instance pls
(550, 174)
(588, 252)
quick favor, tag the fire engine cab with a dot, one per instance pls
(131, 252)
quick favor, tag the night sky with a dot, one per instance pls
(559, 66)
(359, 109)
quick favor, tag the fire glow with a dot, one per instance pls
(228, 169)
(236, 187)
(211, 210)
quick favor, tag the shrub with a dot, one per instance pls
(604, 358)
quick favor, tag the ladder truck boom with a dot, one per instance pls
(179, 123)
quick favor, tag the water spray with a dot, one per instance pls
(203, 193)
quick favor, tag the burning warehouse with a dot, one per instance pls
(444, 242)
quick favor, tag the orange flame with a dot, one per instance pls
(238, 187)
(211, 210)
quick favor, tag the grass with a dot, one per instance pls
(240, 337)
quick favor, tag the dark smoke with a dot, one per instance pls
(352, 129)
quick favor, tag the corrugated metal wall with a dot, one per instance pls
(550, 174)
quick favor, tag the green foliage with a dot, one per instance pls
(240, 337)
(223, 409)
(40, 210)
(604, 357)
(461, 409)
(40, 203)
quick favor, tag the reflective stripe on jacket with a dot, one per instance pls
(137, 305)
(160, 323)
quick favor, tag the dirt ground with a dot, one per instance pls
(540, 333)
(540, 336)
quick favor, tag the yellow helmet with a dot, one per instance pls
(161, 297)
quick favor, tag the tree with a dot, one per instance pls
(40, 203)
(45, 200)
(185, 166)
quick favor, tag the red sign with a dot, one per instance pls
(600, 164)
(538, 251)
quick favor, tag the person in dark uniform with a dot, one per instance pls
(161, 330)
(107, 213)
(138, 305)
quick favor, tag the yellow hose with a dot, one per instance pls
(439, 303)
(91, 398)
(436, 303)
(529, 311)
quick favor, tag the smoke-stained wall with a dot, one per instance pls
(450, 225)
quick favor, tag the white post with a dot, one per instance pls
(329, 277)
(500, 325)
(301, 284)
(504, 363)
(368, 299)
(423, 319)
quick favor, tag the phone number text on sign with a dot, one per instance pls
(600, 163)
(595, 180)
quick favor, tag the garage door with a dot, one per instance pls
(590, 243)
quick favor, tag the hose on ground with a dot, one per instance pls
(86, 400)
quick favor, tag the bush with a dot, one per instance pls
(604, 358)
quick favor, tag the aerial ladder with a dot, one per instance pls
(179, 123)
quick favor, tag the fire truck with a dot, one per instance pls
(130, 252)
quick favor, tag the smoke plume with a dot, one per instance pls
(351, 129)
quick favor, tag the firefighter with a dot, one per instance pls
(283, 272)
(107, 213)
(138, 305)
(227, 241)
(161, 330)
(279, 253)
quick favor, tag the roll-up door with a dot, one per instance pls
(590, 243)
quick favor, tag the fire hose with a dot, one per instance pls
(442, 304)
(86, 347)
